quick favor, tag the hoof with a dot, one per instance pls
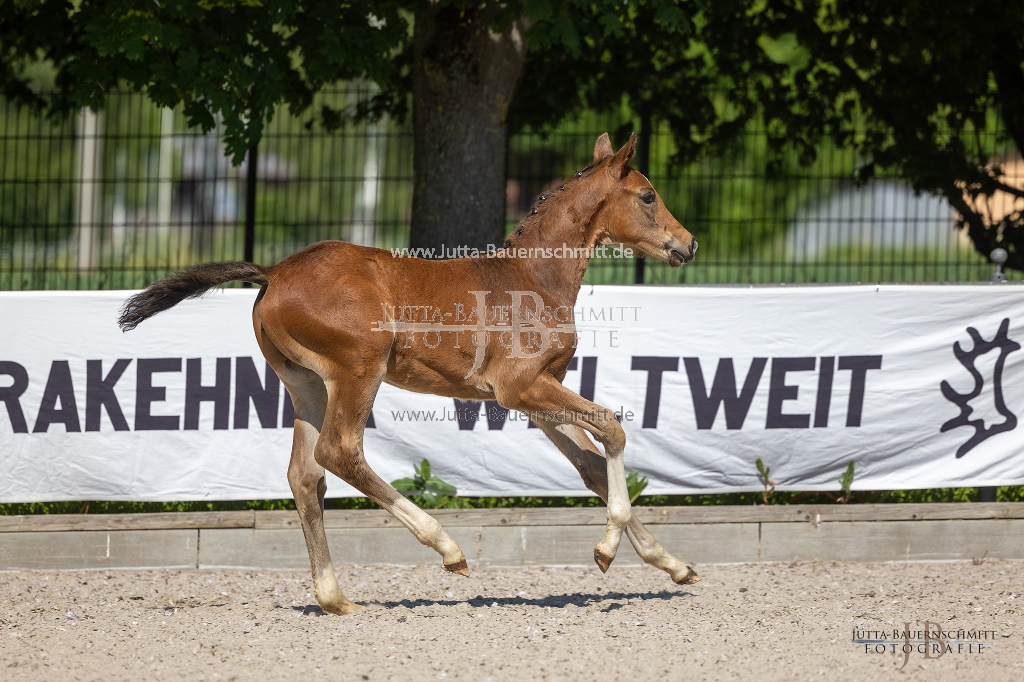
(342, 608)
(459, 567)
(690, 578)
(603, 560)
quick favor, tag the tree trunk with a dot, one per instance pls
(464, 76)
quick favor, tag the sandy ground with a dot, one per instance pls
(764, 622)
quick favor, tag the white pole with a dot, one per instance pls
(363, 227)
(364, 210)
(89, 188)
(165, 171)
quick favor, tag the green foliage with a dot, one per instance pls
(930, 91)
(845, 481)
(47, 152)
(688, 63)
(232, 60)
(769, 485)
(429, 491)
(961, 495)
(635, 484)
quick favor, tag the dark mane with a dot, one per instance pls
(543, 202)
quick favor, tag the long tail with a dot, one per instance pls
(192, 282)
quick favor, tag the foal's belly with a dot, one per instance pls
(449, 381)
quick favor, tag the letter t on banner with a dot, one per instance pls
(858, 366)
(654, 366)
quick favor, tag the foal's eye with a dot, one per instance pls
(648, 198)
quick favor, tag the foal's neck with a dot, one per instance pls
(561, 232)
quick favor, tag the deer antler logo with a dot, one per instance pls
(967, 358)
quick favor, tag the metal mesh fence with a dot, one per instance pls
(119, 198)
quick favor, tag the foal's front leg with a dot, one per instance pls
(547, 400)
(620, 511)
(576, 445)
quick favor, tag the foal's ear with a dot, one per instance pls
(603, 148)
(623, 156)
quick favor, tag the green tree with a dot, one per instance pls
(237, 59)
(694, 65)
(916, 87)
(240, 59)
(931, 91)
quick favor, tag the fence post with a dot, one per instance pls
(364, 209)
(90, 162)
(250, 207)
(165, 172)
(643, 162)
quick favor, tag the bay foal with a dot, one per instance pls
(323, 323)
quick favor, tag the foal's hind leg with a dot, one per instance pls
(309, 484)
(576, 445)
(340, 450)
(305, 476)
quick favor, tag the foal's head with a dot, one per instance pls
(633, 213)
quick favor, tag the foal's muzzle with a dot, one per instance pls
(681, 254)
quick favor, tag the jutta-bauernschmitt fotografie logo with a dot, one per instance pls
(968, 358)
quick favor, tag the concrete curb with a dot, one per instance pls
(495, 538)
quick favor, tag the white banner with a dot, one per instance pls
(920, 386)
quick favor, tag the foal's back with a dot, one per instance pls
(331, 303)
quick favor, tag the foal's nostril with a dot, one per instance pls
(683, 253)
